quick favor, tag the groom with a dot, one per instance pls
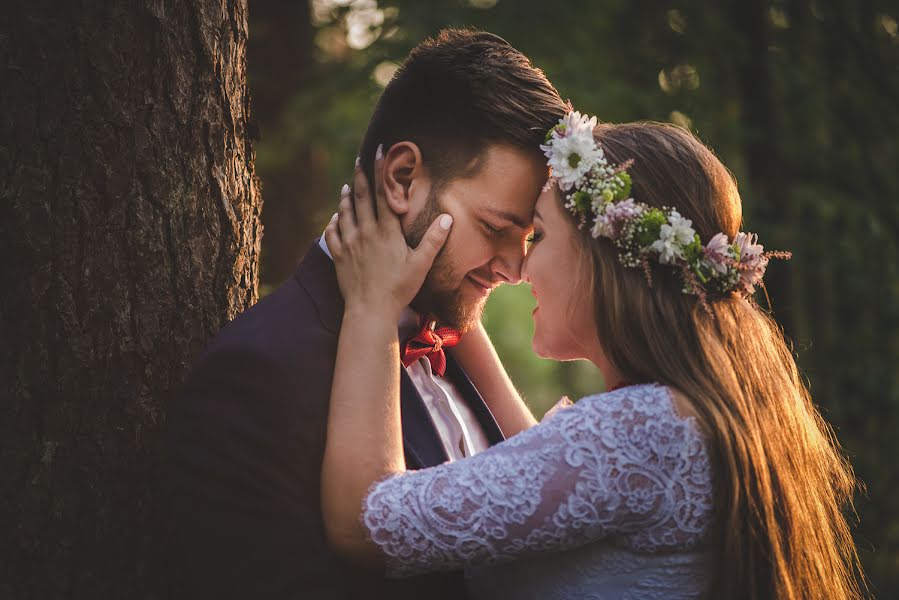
(460, 125)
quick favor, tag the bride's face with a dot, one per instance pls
(564, 326)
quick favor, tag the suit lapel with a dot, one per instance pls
(421, 441)
(474, 400)
(420, 438)
(317, 276)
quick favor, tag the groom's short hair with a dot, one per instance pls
(455, 94)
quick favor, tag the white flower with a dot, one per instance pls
(572, 151)
(681, 228)
(577, 124)
(571, 157)
(674, 235)
(667, 249)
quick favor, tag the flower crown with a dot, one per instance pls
(599, 195)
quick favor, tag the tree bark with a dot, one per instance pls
(130, 231)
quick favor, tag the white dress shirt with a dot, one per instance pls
(455, 422)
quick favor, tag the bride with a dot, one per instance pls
(706, 471)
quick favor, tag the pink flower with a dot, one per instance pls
(747, 244)
(718, 253)
(616, 214)
(752, 260)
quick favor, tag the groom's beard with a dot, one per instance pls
(441, 294)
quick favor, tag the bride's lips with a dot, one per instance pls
(534, 293)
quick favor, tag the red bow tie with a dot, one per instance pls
(430, 342)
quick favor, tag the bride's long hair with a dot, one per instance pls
(782, 483)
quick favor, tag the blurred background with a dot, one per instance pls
(798, 98)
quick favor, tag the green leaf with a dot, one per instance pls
(624, 190)
(581, 201)
(650, 227)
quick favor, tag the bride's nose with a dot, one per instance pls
(524, 269)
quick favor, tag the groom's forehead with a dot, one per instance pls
(506, 202)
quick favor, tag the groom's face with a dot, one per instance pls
(492, 214)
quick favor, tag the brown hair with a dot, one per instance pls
(455, 94)
(781, 481)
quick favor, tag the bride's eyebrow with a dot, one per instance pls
(508, 216)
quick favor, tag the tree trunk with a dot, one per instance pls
(129, 224)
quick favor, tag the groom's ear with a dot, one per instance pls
(405, 178)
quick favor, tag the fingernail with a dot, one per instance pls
(357, 161)
(345, 190)
(379, 153)
(334, 216)
(446, 221)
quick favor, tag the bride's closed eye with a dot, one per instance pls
(534, 238)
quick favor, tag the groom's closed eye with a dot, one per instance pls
(506, 218)
(499, 224)
(493, 230)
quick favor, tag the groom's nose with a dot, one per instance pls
(506, 266)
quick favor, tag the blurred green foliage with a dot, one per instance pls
(799, 98)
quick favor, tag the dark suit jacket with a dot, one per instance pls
(246, 440)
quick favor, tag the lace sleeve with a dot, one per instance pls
(622, 463)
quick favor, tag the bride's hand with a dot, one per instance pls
(377, 271)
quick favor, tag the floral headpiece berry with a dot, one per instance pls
(599, 195)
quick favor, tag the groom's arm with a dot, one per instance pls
(477, 357)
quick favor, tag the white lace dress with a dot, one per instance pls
(610, 498)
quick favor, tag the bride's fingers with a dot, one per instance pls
(435, 237)
(332, 238)
(346, 220)
(362, 201)
(385, 215)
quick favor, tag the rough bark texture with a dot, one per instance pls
(129, 224)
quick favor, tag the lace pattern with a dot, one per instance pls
(621, 466)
